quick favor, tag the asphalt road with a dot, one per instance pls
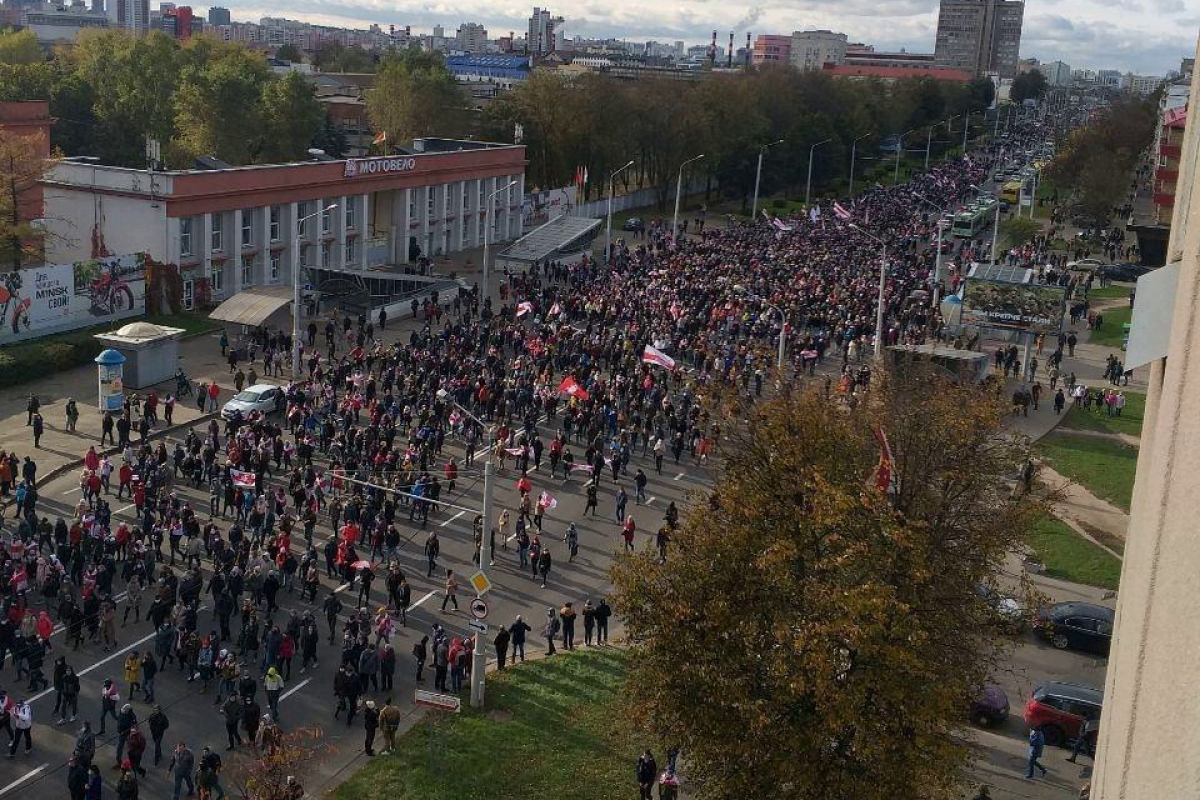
(308, 698)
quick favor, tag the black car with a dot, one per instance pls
(990, 707)
(1124, 272)
(634, 224)
(1076, 626)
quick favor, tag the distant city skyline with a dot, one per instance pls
(1140, 36)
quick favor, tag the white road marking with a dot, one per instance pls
(294, 689)
(456, 516)
(341, 588)
(651, 500)
(680, 475)
(22, 779)
(126, 508)
(423, 599)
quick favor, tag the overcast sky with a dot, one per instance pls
(1141, 36)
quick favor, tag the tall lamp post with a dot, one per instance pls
(899, 150)
(608, 229)
(808, 183)
(996, 224)
(937, 264)
(679, 194)
(853, 154)
(487, 233)
(966, 129)
(758, 176)
(296, 287)
(883, 269)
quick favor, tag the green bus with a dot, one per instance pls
(967, 224)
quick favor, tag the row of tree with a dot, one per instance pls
(203, 97)
(601, 123)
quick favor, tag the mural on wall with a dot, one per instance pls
(40, 300)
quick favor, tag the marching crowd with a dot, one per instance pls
(591, 374)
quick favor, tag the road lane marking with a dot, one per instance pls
(342, 588)
(423, 599)
(651, 500)
(22, 779)
(294, 689)
(456, 516)
(680, 475)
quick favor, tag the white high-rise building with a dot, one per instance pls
(471, 38)
(132, 15)
(545, 32)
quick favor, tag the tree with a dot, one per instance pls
(1027, 86)
(414, 95)
(289, 53)
(218, 87)
(20, 47)
(292, 116)
(1019, 230)
(22, 165)
(266, 776)
(336, 57)
(330, 138)
(810, 636)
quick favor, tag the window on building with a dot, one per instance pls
(482, 195)
(301, 213)
(412, 205)
(326, 254)
(349, 251)
(189, 295)
(247, 228)
(218, 280)
(274, 233)
(326, 219)
(247, 271)
(185, 236)
(429, 195)
(466, 196)
(350, 209)
(217, 239)
(448, 194)
(276, 262)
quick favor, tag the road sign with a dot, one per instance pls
(479, 608)
(476, 625)
(481, 583)
(442, 702)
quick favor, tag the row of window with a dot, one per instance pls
(187, 225)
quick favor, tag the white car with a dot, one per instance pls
(261, 397)
(1085, 264)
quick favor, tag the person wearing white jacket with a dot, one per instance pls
(22, 717)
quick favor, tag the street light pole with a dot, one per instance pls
(899, 149)
(966, 127)
(937, 264)
(883, 269)
(928, 141)
(296, 288)
(608, 229)
(678, 195)
(853, 153)
(758, 176)
(487, 232)
(808, 184)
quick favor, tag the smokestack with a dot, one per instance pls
(729, 55)
(747, 48)
(712, 51)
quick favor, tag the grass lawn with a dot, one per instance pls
(1129, 422)
(1111, 333)
(554, 729)
(1069, 556)
(1109, 293)
(1102, 466)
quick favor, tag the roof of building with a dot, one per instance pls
(548, 240)
(254, 306)
(864, 71)
(1175, 117)
(502, 62)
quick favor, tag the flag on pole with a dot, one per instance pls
(571, 387)
(244, 479)
(780, 225)
(652, 355)
(883, 472)
(524, 308)
(380, 138)
(840, 211)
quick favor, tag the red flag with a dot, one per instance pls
(883, 472)
(571, 387)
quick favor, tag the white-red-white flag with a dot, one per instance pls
(652, 355)
(244, 479)
(840, 211)
(524, 308)
(571, 387)
(547, 501)
(555, 310)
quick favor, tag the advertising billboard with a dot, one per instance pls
(40, 300)
(538, 208)
(1017, 306)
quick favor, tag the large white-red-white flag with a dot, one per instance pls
(652, 355)
(547, 501)
(524, 308)
(840, 211)
(244, 479)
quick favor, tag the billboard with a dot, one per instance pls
(1016, 306)
(41, 300)
(538, 208)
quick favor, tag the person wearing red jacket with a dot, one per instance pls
(124, 480)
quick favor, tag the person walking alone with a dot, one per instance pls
(1037, 744)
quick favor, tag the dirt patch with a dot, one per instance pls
(1106, 538)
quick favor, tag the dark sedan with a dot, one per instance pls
(990, 707)
(1124, 272)
(1076, 626)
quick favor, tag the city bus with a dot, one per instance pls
(1011, 192)
(967, 224)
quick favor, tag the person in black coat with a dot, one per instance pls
(517, 633)
(370, 725)
(647, 773)
(501, 644)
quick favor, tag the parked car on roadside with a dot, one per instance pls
(990, 706)
(1076, 626)
(634, 224)
(1124, 272)
(1059, 709)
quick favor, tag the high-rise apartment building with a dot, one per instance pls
(471, 38)
(132, 15)
(544, 32)
(815, 49)
(218, 16)
(980, 36)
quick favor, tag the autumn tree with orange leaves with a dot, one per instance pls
(811, 636)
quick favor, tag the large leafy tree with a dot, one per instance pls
(414, 95)
(292, 117)
(810, 636)
(22, 166)
(1027, 86)
(219, 86)
(20, 47)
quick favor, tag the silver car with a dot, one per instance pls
(261, 397)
